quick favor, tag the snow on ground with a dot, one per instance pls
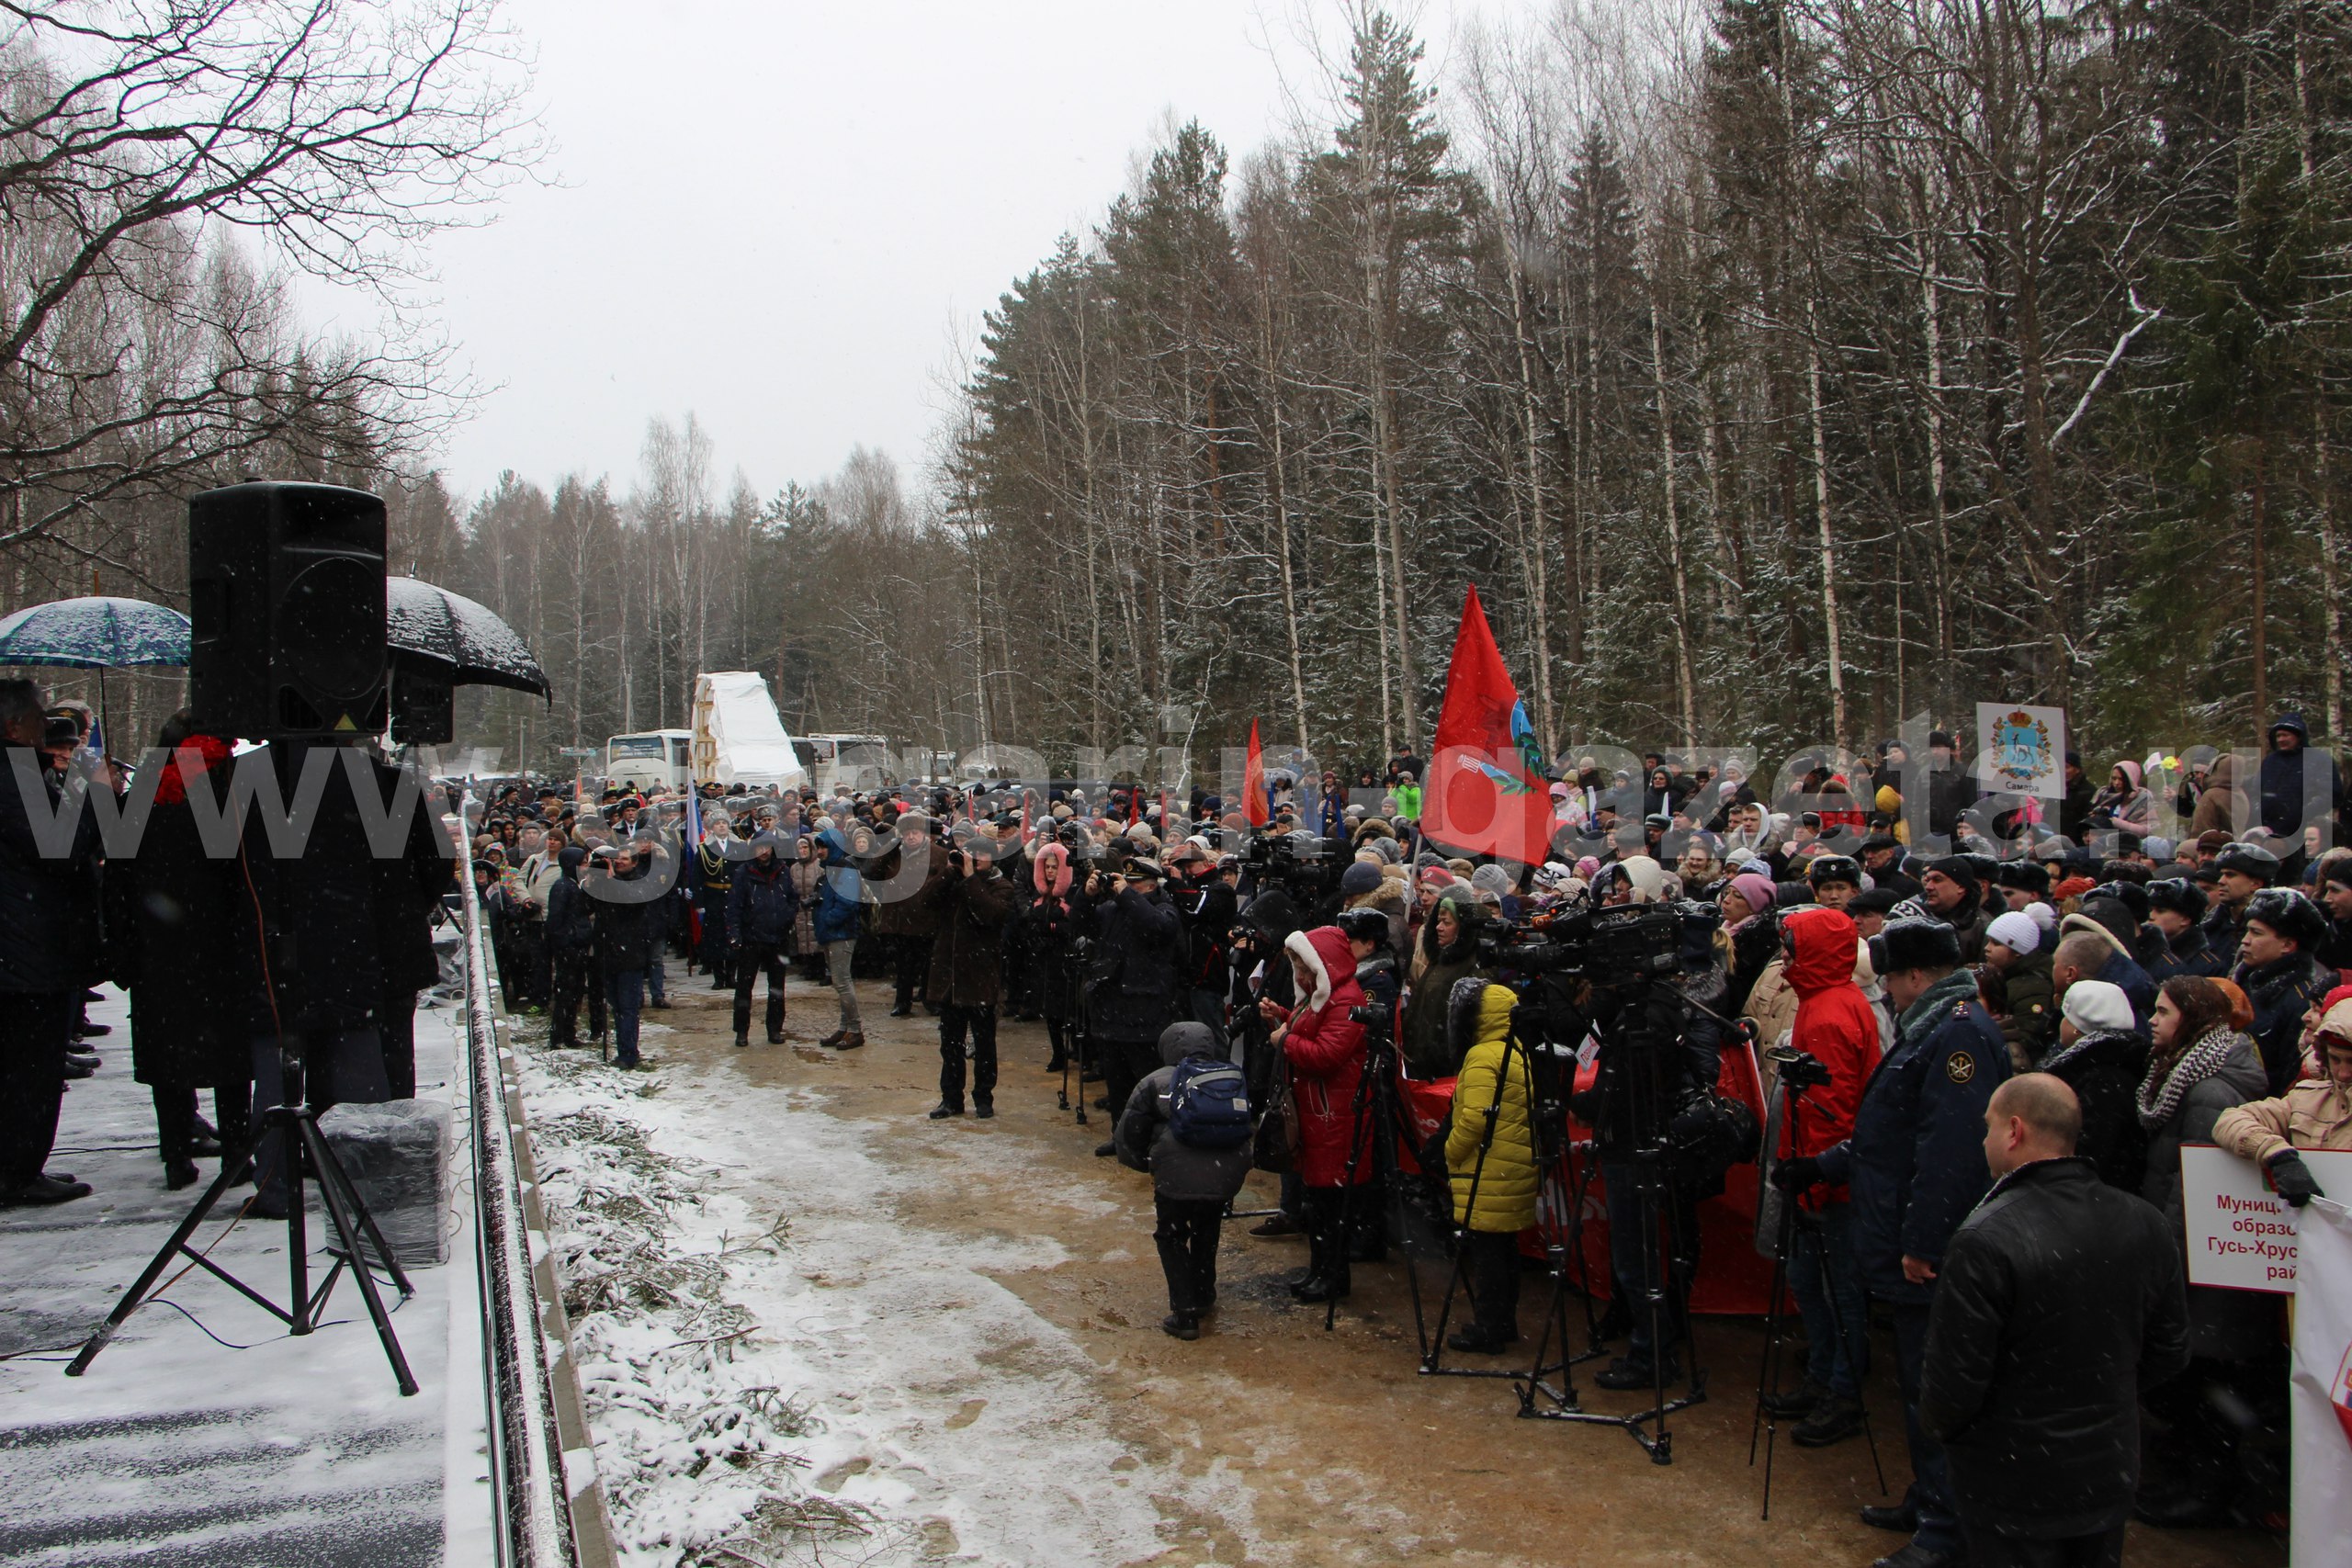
(176, 1450)
(768, 1354)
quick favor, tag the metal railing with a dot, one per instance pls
(551, 1512)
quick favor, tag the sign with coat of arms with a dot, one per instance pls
(2021, 749)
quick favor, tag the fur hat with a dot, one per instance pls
(1915, 944)
(2248, 859)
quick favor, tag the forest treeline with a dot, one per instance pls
(1824, 366)
(1778, 370)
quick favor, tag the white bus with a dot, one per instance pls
(860, 762)
(651, 757)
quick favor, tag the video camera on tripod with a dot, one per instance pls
(1301, 864)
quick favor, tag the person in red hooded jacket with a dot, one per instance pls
(1324, 1049)
(1836, 1026)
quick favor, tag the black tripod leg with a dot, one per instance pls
(1360, 1132)
(298, 1234)
(134, 1297)
(341, 1219)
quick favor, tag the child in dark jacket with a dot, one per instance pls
(1191, 1184)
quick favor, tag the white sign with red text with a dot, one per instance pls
(2241, 1233)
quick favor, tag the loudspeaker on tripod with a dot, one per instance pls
(286, 595)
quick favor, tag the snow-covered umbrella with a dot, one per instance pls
(465, 642)
(96, 632)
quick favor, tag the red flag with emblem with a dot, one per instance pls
(1253, 783)
(1486, 792)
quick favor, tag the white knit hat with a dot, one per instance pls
(2015, 930)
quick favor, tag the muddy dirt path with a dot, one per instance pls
(1268, 1440)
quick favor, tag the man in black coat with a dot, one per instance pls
(2176, 909)
(2060, 1299)
(408, 894)
(964, 979)
(1951, 787)
(49, 951)
(572, 948)
(2279, 977)
(1132, 982)
(2245, 870)
(181, 940)
(1208, 908)
(629, 921)
(1914, 1167)
(761, 905)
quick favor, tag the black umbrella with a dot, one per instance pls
(452, 637)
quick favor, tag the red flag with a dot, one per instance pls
(1486, 792)
(1253, 783)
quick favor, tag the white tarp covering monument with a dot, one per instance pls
(739, 738)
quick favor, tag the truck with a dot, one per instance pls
(649, 757)
(738, 736)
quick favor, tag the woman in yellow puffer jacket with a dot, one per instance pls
(1478, 1017)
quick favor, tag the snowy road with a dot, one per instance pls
(814, 1326)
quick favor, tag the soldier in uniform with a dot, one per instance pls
(713, 873)
(2245, 870)
(1914, 1167)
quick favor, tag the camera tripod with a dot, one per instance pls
(1642, 1045)
(1558, 1231)
(1078, 1039)
(1768, 1377)
(299, 1144)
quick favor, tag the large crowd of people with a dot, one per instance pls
(2012, 1024)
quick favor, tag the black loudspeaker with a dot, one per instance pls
(424, 708)
(286, 592)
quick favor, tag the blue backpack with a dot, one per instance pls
(1208, 1104)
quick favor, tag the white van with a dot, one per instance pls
(649, 757)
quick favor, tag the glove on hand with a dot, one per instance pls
(2293, 1179)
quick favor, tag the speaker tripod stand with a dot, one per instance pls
(305, 1151)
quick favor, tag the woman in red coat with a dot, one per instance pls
(1324, 1049)
(1836, 1026)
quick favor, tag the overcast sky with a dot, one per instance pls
(772, 214)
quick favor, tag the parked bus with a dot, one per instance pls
(649, 757)
(861, 761)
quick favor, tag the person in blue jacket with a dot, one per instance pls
(1914, 1167)
(839, 910)
(761, 905)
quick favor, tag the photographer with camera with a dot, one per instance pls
(1132, 980)
(1832, 1050)
(1207, 906)
(762, 906)
(970, 906)
(908, 927)
(1914, 1167)
(1322, 1041)
(1056, 917)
